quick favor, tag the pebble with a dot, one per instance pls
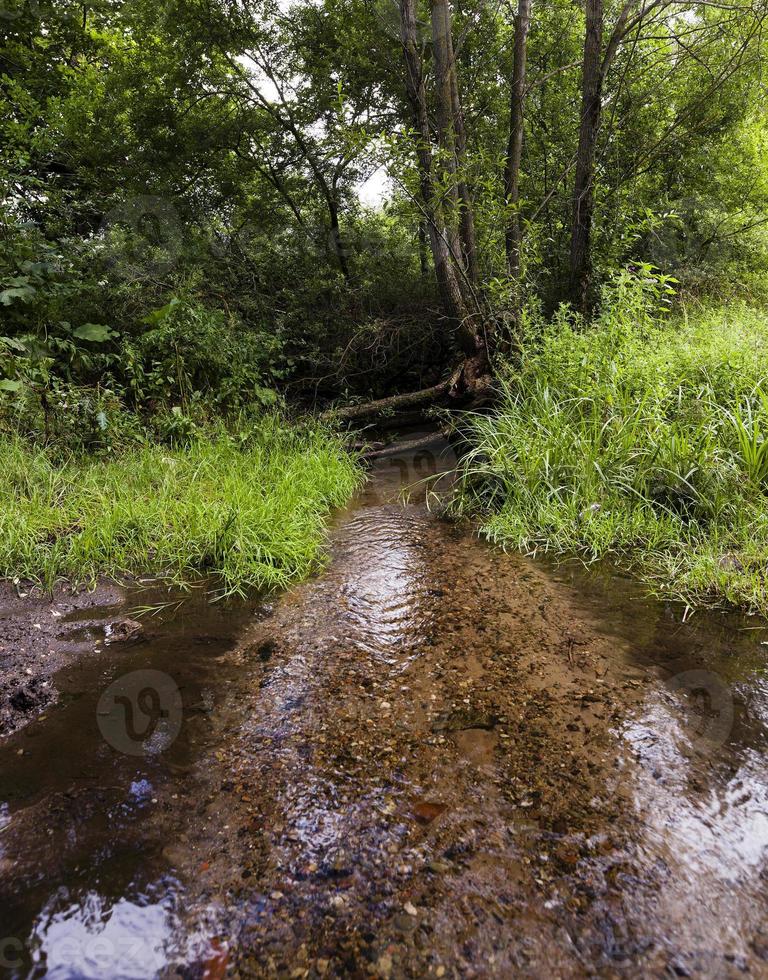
(384, 965)
(439, 867)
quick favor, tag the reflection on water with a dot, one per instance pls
(711, 817)
(701, 787)
(84, 818)
(381, 599)
(91, 938)
(381, 569)
(87, 936)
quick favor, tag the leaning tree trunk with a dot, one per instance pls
(583, 191)
(513, 234)
(445, 272)
(458, 212)
(467, 232)
(442, 51)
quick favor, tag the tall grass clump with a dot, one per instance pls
(640, 437)
(249, 511)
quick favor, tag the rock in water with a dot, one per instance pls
(123, 631)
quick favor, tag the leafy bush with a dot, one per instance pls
(191, 353)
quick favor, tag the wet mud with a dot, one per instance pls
(35, 644)
(431, 760)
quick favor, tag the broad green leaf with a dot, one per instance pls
(156, 317)
(23, 293)
(12, 344)
(97, 333)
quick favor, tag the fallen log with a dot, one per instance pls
(467, 387)
(399, 448)
(391, 404)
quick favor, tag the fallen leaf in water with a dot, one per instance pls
(426, 812)
(214, 967)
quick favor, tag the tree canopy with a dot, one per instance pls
(173, 173)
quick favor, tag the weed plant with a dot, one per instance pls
(250, 510)
(640, 438)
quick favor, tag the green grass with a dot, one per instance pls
(638, 442)
(251, 515)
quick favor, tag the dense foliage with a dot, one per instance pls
(181, 220)
(248, 511)
(638, 438)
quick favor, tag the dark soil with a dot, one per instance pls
(37, 639)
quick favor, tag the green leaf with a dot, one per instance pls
(265, 396)
(156, 317)
(97, 333)
(8, 385)
(12, 344)
(24, 293)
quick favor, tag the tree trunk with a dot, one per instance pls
(339, 248)
(467, 217)
(583, 191)
(445, 273)
(513, 235)
(442, 52)
(451, 233)
(423, 261)
(458, 213)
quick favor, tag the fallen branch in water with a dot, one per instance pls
(397, 448)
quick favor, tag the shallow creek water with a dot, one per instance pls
(432, 759)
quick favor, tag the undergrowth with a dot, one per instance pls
(250, 511)
(641, 438)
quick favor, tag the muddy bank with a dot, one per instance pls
(37, 640)
(431, 760)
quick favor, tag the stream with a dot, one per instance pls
(432, 759)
